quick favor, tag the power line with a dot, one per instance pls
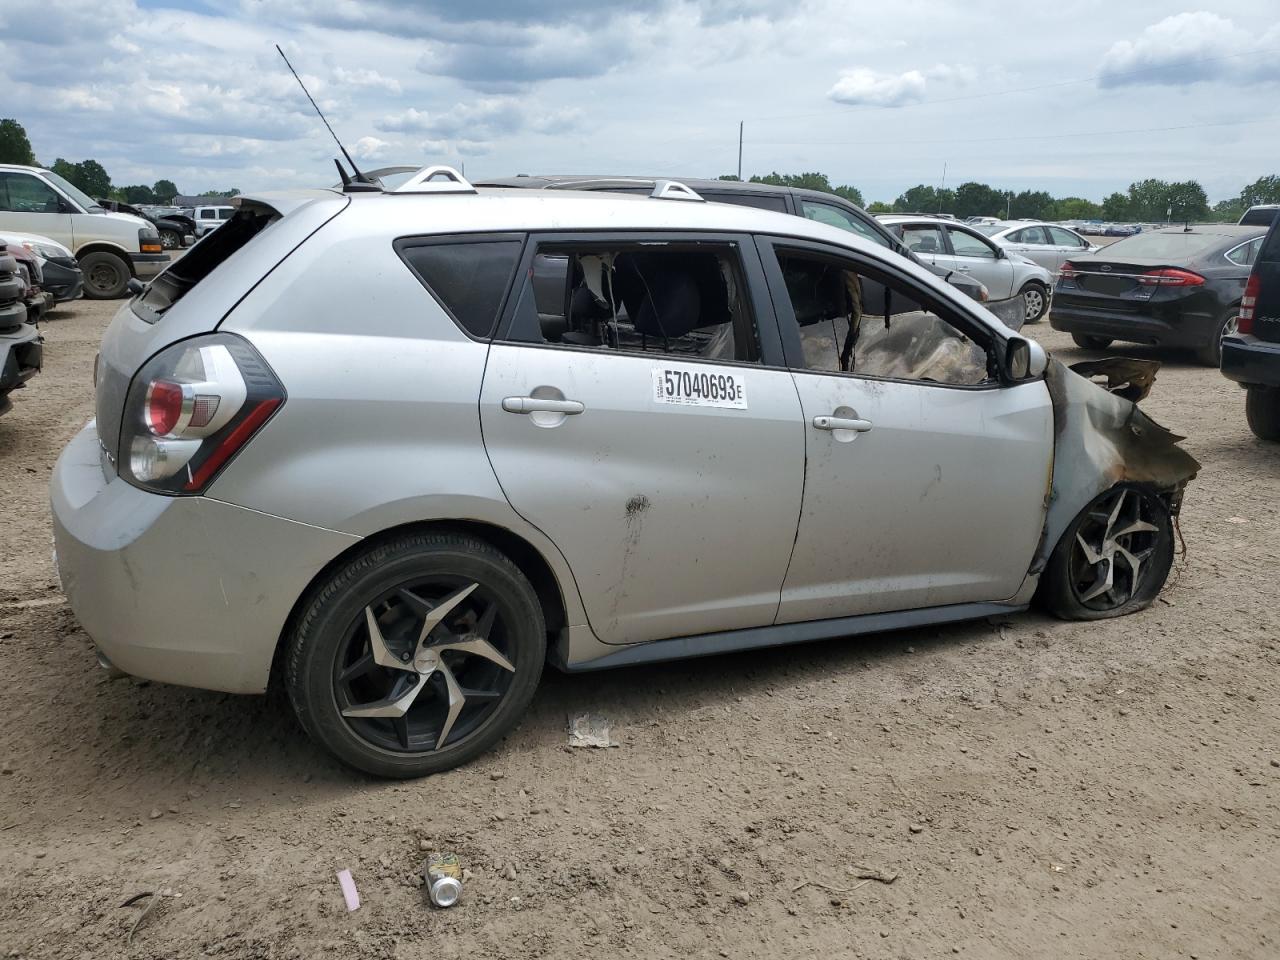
(1005, 92)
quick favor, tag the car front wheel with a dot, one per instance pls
(106, 275)
(170, 240)
(1262, 408)
(1112, 560)
(417, 655)
(1036, 298)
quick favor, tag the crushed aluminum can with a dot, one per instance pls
(443, 874)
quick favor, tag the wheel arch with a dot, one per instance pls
(526, 556)
(103, 246)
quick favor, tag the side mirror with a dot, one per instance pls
(1023, 360)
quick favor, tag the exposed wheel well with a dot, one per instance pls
(522, 553)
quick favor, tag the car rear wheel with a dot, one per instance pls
(1090, 342)
(1211, 353)
(106, 275)
(1113, 559)
(1262, 408)
(417, 655)
(1036, 298)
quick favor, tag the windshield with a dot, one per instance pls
(1163, 245)
(88, 203)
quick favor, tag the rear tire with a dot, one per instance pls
(106, 275)
(1262, 408)
(342, 696)
(1089, 342)
(1091, 573)
(1036, 297)
(1211, 353)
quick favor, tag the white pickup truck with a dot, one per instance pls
(112, 248)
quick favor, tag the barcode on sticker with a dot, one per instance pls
(699, 388)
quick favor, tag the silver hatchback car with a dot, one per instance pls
(397, 449)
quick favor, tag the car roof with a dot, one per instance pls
(696, 184)
(22, 168)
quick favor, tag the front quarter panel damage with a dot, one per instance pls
(1100, 440)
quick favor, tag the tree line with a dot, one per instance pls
(1146, 201)
(89, 175)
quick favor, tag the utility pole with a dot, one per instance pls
(1008, 201)
(740, 123)
(943, 186)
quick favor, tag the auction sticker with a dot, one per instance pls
(699, 387)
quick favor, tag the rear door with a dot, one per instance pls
(1065, 246)
(638, 414)
(983, 260)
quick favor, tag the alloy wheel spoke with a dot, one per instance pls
(1091, 555)
(396, 705)
(1102, 585)
(473, 694)
(358, 669)
(479, 647)
(1138, 526)
(1134, 564)
(456, 700)
(1115, 513)
(431, 619)
(382, 654)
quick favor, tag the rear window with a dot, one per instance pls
(1259, 216)
(1165, 245)
(469, 278)
(186, 272)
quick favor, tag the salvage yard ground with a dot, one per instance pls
(1039, 789)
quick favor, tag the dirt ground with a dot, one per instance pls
(1037, 788)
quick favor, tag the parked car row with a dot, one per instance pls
(110, 248)
(175, 228)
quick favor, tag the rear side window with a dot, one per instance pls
(1259, 216)
(830, 214)
(469, 278)
(761, 201)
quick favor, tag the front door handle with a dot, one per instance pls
(964, 269)
(538, 405)
(841, 423)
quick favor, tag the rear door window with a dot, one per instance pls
(469, 277)
(924, 239)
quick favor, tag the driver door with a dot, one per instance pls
(982, 260)
(29, 205)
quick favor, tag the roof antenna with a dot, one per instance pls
(361, 182)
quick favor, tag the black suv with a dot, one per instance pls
(1251, 353)
(811, 204)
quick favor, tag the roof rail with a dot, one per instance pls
(674, 190)
(424, 181)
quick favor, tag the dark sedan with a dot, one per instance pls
(1176, 288)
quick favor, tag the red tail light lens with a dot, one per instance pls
(1067, 271)
(1171, 277)
(191, 408)
(1247, 304)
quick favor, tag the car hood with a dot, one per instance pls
(125, 218)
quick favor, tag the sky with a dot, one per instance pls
(1077, 99)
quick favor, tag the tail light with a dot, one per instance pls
(191, 408)
(1067, 271)
(1248, 302)
(1171, 277)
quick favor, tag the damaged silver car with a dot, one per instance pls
(581, 428)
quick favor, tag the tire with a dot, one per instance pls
(106, 275)
(1211, 353)
(170, 240)
(393, 586)
(1036, 297)
(1262, 408)
(1090, 342)
(1069, 587)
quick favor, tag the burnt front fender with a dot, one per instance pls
(1100, 440)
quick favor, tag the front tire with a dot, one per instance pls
(1089, 342)
(1036, 298)
(1262, 408)
(1112, 560)
(106, 275)
(170, 240)
(417, 655)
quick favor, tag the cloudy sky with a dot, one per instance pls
(1078, 98)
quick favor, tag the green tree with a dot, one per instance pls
(1227, 211)
(1075, 208)
(1115, 207)
(1263, 190)
(852, 194)
(978, 200)
(925, 199)
(64, 168)
(809, 181)
(879, 206)
(92, 178)
(1031, 205)
(1187, 201)
(139, 193)
(165, 191)
(14, 145)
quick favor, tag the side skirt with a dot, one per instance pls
(782, 634)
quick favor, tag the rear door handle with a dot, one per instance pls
(538, 405)
(841, 423)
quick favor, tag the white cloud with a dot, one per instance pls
(865, 86)
(1188, 48)
(368, 148)
(365, 78)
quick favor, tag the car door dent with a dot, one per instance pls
(1100, 440)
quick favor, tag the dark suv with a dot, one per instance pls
(1251, 354)
(826, 208)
